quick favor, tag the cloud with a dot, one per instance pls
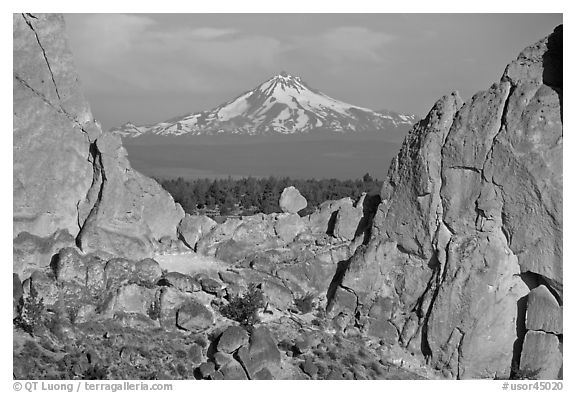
(146, 55)
(346, 43)
(210, 32)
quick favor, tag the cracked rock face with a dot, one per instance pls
(67, 174)
(472, 204)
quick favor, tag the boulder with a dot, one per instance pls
(232, 338)
(276, 294)
(233, 252)
(233, 370)
(541, 355)
(323, 219)
(543, 311)
(291, 201)
(45, 287)
(207, 370)
(347, 222)
(169, 301)
(288, 226)
(70, 266)
(254, 230)
(125, 213)
(261, 353)
(208, 244)
(31, 252)
(195, 354)
(181, 282)
(211, 285)
(192, 228)
(147, 271)
(131, 298)
(119, 271)
(194, 317)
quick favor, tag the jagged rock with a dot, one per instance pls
(192, 228)
(125, 212)
(541, 355)
(261, 353)
(76, 179)
(232, 338)
(347, 222)
(32, 252)
(180, 281)
(323, 219)
(543, 311)
(194, 317)
(473, 199)
(208, 244)
(291, 201)
(288, 226)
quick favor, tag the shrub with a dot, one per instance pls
(31, 313)
(305, 303)
(244, 309)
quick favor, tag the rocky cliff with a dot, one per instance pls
(454, 270)
(466, 244)
(69, 176)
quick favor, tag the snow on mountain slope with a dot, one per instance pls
(283, 104)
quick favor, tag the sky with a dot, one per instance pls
(146, 68)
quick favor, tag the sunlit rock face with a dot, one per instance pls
(67, 174)
(470, 222)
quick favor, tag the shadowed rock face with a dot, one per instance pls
(472, 204)
(67, 174)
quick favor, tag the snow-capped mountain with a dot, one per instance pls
(284, 104)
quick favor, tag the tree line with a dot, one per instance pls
(252, 195)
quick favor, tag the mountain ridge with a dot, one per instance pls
(285, 105)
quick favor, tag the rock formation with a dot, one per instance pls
(291, 201)
(470, 222)
(68, 175)
(454, 270)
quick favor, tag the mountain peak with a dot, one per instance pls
(283, 104)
